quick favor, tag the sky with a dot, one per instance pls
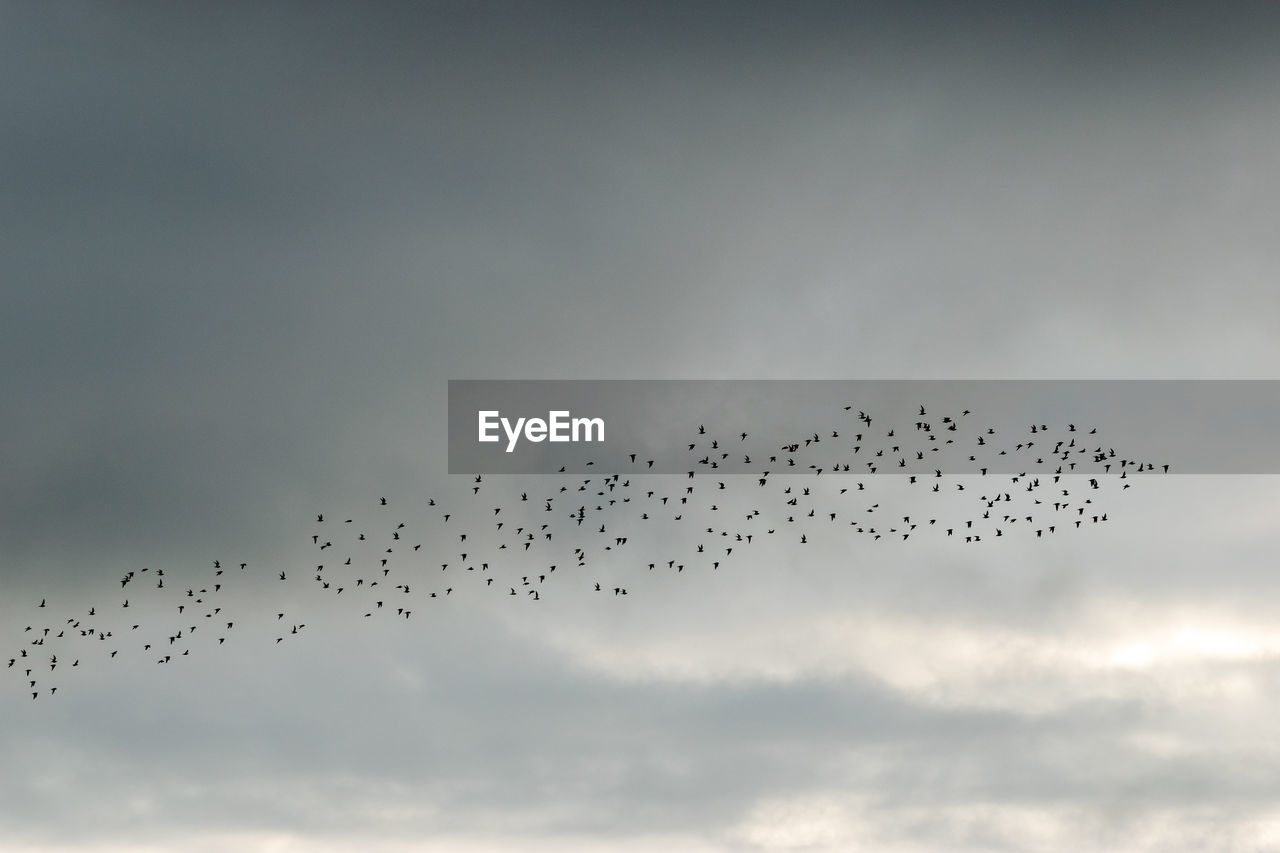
(246, 246)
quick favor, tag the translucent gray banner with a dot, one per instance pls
(918, 428)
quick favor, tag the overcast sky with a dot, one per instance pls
(246, 246)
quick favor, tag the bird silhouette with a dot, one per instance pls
(642, 520)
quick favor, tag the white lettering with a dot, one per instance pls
(558, 426)
(587, 424)
(512, 434)
(486, 424)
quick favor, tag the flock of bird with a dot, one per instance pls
(521, 543)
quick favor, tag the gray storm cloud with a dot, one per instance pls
(244, 251)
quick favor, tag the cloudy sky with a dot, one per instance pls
(246, 246)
